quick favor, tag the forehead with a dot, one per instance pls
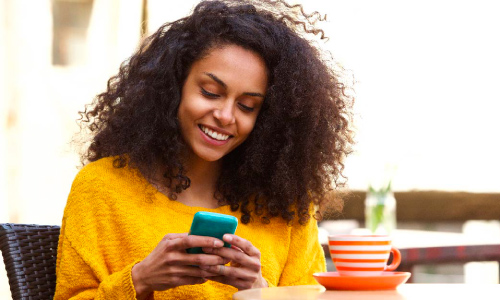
(232, 63)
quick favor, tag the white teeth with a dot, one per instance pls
(215, 135)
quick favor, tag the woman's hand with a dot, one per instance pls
(169, 265)
(245, 269)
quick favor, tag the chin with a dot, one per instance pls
(210, 158)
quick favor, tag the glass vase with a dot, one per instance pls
(380, 212)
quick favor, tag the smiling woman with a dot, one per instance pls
(229, 110)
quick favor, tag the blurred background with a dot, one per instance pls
(427, 100)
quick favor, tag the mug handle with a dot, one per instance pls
(396, 259)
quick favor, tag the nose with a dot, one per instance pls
(225, 113)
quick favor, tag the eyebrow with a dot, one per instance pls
(224, 85)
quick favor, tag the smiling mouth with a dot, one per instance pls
(213, 134)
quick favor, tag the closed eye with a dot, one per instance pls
(208, 94)
(246, 108)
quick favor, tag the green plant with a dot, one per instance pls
(375, 213)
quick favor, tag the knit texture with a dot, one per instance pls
(114, 218)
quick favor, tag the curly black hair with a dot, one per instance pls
(294, 156)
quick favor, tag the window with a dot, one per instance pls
(70, 23)
(427, 96)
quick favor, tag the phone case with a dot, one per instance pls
(212, 224)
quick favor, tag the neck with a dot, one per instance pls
(203, 176)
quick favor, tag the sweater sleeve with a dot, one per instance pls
(305, 256)
(76, 280)
(82, 268)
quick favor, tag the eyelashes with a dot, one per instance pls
(245, 108)
(208, 94)
(215, 96)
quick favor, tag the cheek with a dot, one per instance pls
(181, 116)
(185, 118)
(247, 126)
(195, 106)
(188, 111)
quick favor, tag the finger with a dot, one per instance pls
(173, 236)
(201, 241)
(195, 259)
(231, 272)
(222, 270)
(192, 241)
(188, 280)
(224, 261)
(206, 259)
(189, 271)
(235, 264)
(243, 244)
(221, 279)
(236, 282)
(236, 248)
(236, 257)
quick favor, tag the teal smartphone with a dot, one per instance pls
(212, 224)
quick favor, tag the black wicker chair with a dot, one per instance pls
(29, 253)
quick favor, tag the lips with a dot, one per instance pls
(214, 134)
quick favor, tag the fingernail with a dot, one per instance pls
(218, 243)
(228, 238)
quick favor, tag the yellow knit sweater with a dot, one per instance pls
(114, 218)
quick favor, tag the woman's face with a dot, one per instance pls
(221, 99)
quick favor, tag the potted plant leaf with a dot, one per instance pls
(380, 210)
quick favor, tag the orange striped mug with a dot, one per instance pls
(363, 255)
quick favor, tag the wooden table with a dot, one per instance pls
(403, 292)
